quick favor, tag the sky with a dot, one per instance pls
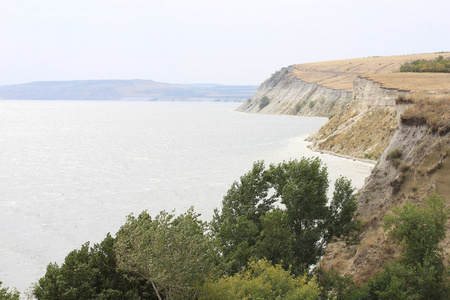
(206, 41)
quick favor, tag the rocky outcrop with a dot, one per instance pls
(283, 93)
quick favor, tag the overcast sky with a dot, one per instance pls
(206, 41)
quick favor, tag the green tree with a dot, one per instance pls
(302, 187)
(6, 294)
(90, 273)
(261, 280)
(239, 223)
(250, 225)
(174, 254)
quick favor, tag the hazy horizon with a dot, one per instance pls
(224, 42)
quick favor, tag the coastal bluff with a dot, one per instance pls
(373, 111)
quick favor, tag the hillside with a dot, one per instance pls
(124, 90)
(422, 141)
(373, 111)
(322, 88)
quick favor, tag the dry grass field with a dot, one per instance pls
(339, 74)
(413, 82)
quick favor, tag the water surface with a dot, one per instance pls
(72, 170)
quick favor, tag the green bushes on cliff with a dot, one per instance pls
(419, 273)
(264, 102)
(439, 65)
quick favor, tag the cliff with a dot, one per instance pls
(374, 112)
(365, 126)
(288, 94)
(423, 166)
(320, 89)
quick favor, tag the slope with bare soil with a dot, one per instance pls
(416, 162)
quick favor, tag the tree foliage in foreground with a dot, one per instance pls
(174, 254)
(91, 273)
(250, 226)
(261, 280)
(6, 294)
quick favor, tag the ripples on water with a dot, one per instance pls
(72, 170)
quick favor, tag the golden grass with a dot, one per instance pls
(413, 82)
(339, 74)
(430, 110)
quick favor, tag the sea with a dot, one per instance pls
(72, 171)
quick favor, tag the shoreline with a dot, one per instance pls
(368, 161)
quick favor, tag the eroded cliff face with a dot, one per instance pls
(424, 166)
(287, 94)
(367, 123)
(365, 126)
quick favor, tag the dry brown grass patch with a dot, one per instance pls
(413, 82)
(430, 110)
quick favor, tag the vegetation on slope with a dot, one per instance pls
(419, 273)
(430, 110)
(366, 137)
(439, 65)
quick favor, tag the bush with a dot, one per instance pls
(298, 107)
(264, 102)
(261, 280)
(420, 272)
(395, 154)
(439, 65)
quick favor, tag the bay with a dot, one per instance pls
(71, 171)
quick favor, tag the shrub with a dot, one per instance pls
(264, 102)
(395, 154)
(261, 280)
(403, 167)
(439, 65)
(420, 272)
(298, 107)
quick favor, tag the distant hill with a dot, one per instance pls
(125, 90)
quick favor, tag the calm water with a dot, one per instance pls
(72, 170)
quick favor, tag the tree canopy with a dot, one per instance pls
(174, 254)
(91, 273)
(253, 221)
(274, 225)
(7, 294)
(261, 280)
